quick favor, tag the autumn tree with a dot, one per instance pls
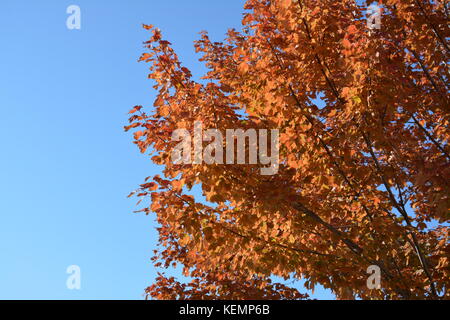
(363, 180)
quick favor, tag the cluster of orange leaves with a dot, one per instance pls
(363, 180)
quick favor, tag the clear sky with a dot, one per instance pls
(66, 165)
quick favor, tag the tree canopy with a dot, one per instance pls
(363, 179)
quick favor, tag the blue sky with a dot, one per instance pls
(66, 165)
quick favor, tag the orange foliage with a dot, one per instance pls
(362, 181)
